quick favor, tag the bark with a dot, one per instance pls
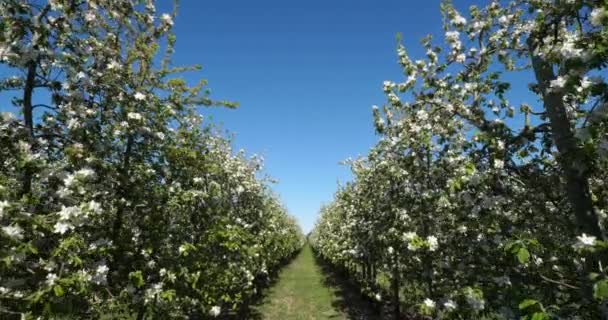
(28, 118)
(28, 91)
(395, 288)
(573, 161)
(122, 190)
(571, 157)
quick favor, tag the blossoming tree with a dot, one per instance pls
(116, 199)
(472, 206)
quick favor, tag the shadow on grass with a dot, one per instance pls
(349, 300)
(250, 309)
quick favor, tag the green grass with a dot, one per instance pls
(300, 293)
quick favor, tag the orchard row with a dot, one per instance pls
(116, 199)
(484, 198)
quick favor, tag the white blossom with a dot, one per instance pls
(569, 50)
(500, 144)
(73, 123)
(459, 20)
(558, 83)
(4, 50)
(94, 206)
(3, 204)
(388, 85)
(113, 65)
(586, 240)
(139, 96)
(134, 116)
(89, 17)
(182, 249)
(429, 303)
(101, 274)
(421, 115)
(433, 243)
(461, 58)
(13, 231)
(62, 227)
(499, 164)
(215, 311)
(67, 213)
(452, 36)
(585, 83)
(474, 300)
(85, 172)
(166, 18)
(393, 98)
(102, 269)
(596, 16)
(51, 278)
(449, 305)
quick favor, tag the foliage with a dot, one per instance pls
(473, 207)
(115, 199)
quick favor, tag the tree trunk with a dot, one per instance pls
(571, 158)
(573, 161)
(122, 190)
(395, 289)
(28, 118)
(28, 91)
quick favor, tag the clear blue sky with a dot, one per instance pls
(305, 73)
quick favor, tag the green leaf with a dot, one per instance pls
(527, 303)
(539, 316)
(137, 278)
(470, 168)
(600, 290)
(36, 296)
(601, 244)
(58, 291)
(168, 295)
(523, 255)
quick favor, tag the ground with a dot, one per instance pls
(305, 290)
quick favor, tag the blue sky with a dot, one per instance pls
(305, 73)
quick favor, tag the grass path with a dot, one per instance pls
(304, 291)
